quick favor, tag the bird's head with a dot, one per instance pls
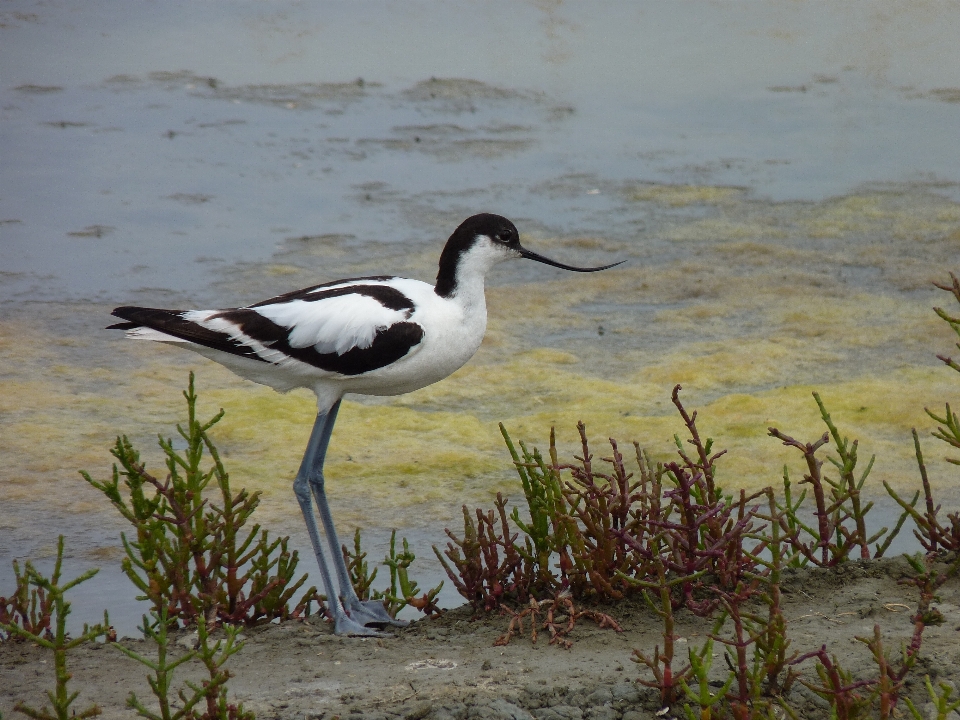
(481, 242)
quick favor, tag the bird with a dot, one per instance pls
(379, 335)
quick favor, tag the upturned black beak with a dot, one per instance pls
(530, 255)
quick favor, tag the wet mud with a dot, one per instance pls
(448, 667)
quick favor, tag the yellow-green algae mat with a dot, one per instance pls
(757, 308)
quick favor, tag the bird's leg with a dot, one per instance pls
(310, 477)
(366, 611)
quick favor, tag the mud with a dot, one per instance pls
(449, 667)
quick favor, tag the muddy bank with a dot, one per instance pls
(450, 668)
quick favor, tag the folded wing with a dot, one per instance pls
(345, 329)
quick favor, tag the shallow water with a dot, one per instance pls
(782, 178)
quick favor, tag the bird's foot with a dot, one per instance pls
(372, 612)
(345, 625)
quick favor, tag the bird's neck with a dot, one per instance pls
(468, 289)
(462, 272)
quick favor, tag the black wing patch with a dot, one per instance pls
(384, 294)
(172, 323)
(389, 345)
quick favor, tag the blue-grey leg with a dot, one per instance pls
(365, 612)
(347, 621)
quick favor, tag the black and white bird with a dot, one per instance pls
(378, 335)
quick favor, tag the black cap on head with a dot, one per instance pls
(499, 230)
(495, 227)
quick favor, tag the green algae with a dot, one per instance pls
(442, 457)
(675, 196)
(753, 305)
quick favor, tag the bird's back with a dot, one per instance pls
(377, 335)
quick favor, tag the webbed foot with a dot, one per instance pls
(372, 612)
(345, 625)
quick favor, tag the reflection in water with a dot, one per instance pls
(785, 196)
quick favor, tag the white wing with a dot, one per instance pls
(335, 324)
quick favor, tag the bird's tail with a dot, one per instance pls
(150, 324)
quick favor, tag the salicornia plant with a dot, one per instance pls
(55, 638)
(192, 556)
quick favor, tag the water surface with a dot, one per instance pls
(781, 177)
